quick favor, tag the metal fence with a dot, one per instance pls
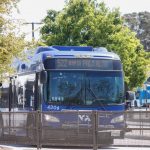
(137, 131)
(76, 128)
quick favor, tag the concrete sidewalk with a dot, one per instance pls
(12, 147)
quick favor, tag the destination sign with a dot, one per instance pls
(78, 63)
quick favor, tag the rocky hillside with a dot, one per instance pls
(140, 23)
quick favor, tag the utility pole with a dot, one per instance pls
(33, 23)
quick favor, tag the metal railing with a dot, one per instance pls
(76, 128)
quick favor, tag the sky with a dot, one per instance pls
(35, 10)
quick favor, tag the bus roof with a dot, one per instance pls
(48, 52)
(75, 51)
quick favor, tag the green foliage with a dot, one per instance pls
(11, 45)
(5, 8)
(128, 47)
(86, 22)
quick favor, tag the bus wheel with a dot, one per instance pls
(31, 130)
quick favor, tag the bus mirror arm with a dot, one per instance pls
(130, 95)
(43, 77)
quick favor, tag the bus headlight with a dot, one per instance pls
(118, 119)
(51, 118)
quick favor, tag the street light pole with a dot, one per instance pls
(33, 24)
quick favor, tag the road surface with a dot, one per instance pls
(12, 147)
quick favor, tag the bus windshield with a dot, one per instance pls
(84, 88)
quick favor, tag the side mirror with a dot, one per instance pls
(148, 80)
(130, 95)
(1, 84)
(43, 77)
(23, 66)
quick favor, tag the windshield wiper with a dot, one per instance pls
(97, 101)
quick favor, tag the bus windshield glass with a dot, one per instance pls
(84, 88)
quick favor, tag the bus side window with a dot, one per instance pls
(25, 92)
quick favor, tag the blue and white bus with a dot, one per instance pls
(74, 78)
(68, 78)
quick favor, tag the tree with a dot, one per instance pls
(140, 23)
(132, 55)
(10, 45)
(86, 22)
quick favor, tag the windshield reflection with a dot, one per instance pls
(84, 88)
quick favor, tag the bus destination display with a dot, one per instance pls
(78, 63)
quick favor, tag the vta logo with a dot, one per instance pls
(84, 118)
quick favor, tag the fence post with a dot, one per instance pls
(95, 123)
(38, 129)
